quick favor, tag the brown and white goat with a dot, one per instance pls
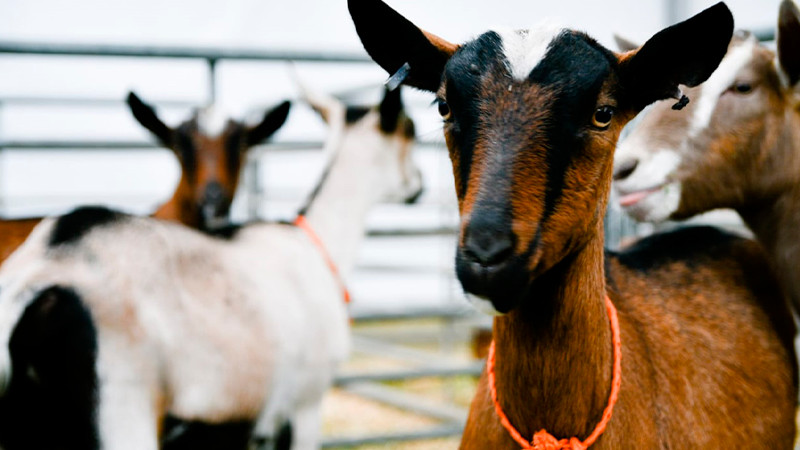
(738, 147)
(531, 119)
(134, 327)
(211, 150)
(210, 163)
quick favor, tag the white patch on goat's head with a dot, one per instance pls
(211, 121)
(524, 49)
(720, 81)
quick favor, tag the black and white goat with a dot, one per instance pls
(118, 331)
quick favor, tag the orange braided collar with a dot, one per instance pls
(303, 224)
(543, 440)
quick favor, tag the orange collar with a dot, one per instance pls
(543, 440)
(303, 224)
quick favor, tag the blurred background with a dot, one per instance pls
(67, 138)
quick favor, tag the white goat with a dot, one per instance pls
(140, 320)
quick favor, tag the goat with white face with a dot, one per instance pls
(737, 148)
(129, 321)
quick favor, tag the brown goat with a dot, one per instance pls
(531, 119)
(210, 166)
(738, 147)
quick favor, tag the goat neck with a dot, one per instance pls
(555, 351)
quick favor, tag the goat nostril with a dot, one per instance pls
(488, 250)
(625, 169)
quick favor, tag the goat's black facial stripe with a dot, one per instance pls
(464, 73)
(186, 148)
(575, 67)
(234, 146)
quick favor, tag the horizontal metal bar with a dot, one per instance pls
(377, 347)
(474, 369)
(442, 431)
(413, 232)
(366, 315)
(124, 145)
(31, 48)
(412, 403)
(765, 34)
(84, 101)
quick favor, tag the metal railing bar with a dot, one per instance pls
(473, 369)
(91, 102)
(122, 145)
(372, 315)
(34, 48)
(373, 346)
(412, 403)
(413, 232)
(442, 431)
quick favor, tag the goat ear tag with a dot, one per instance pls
(681, 103)
(397, 79)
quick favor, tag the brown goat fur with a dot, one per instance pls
(707, 350)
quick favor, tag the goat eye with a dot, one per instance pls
(742, 88)
(444, 110)
(602, 117)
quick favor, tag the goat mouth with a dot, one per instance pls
(632, 198)
(502, 286)
(212, 219)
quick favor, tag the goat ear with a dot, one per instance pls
(789, 40)
(272, 120)
(146, 116)
(624, 44)
(390, 108)
(391, 40)
(686, 53)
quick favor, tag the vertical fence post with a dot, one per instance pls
(212, 80)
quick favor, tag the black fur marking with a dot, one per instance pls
(227, 232)
(463, 86)
(185, 149)
(71, 227)
(575, 66)
(284, 439)
(195, 435)
(234, 148)
(390, 110)
(355, 113)
(51, 401)
(692, 245)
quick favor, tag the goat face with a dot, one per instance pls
(210, 152)
(721, 154)
(531, 119)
